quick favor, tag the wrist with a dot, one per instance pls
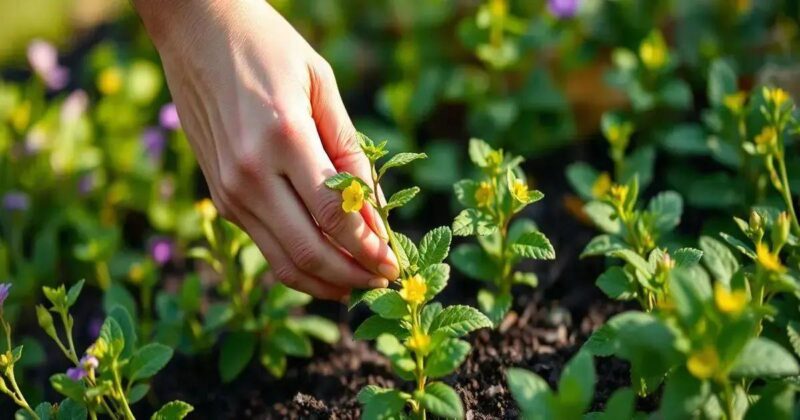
(169, 23)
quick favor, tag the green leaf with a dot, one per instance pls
(410, 253)
(683, 395)
(446, 357)
(690, 294)
(389, 305)
(616, 283)
(429, 312)
(273, 359)
(686, 257)
(639, 164)
(74, 292)
(119, 295)
(112, 333)
(459, 320)
(528, 279)
(400, 159)
(634, 259)
(174, 410)
(667, 208)
(370, 391)
(685, 140)
(281, 298)
(375, 325)
(137, 392)
(472, 222)
(776, 401)
(442, 400)
(793, 331)
(436, 277)
(471, 260)
(190, 294)
(534, 245)
(601, 214)
(237, 350)
(123, 318)
(465, 192)
(721, 81)
(343, 180)
(322, 329)
(291, 342)
(434, 246)
(386, 405)
(69, 409)
(402, 363)
(530, 391)
(602, 341)
(401, 198)
(478, 152)
(739, 245)
(64, 385)
(621, 405)
(719, 260)
(582, 177)
(576, 385)
(148, 360)
(494, 305)
(603, 245)
(764, 358)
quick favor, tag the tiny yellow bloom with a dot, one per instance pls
(653, 51)
(414, 289)
(136, 273)
(206, 209)
(495, 158)
(619, 193)
(665, 264)
(109, 81)
(767, 138)
(775, 96)
(98, 349)
(735, 101)
(5, 359)
(484, 194)
(703, 364)
(353, 197)
(499, 8)
(768, 260)
(619, 134)
(519, 189)
(601, 185)
(21, 116)
(729, 302)
(419, 342)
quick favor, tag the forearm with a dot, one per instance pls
(174, 23)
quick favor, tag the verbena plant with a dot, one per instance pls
(251, 319)
(110, 376)
(493, 201)
(420, 337)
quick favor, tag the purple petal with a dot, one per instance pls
(89, 362)
(42, 56)
(4, 290)
(563, 8)
(168, 117)
(161, 250)
(74, 106)
(76, 373)
(16, 201)
(154, 140)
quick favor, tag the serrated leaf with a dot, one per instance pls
(400, 159)
(401, 198)
(174, 410)
(459, 320)
(764, 358)
(446, 357)
(534, 245)
(478, 152)
(465, 192)
(603, 245)
(429, 312)
(148, 360)
(667, 208)
(686, 257)
(719, 259)
(601, 215)
(436, 277)
(434, 246)
(409, 254)
(616, 283)
(442, 400)
(634, 259)
(384, 406)
(375, 325)
(370, 391)
(472, 222)
(343, 180)
(389, 305)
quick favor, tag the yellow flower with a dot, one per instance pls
(519, 189)
(768, 260)
(419, 342)
(484, 194)
(136, 273)
(414, 289)
(109, 81)
(703, 364)
(21, 116)
(5, 359)
(601, 185)
(206, 209)
(775, 96)
(653, 51)
(767, 138)
(353, 197)
(735, 101)
(619, 134)
(729, 302)
(499, 8)
(98, 349)
(618, 193)
(494, 158)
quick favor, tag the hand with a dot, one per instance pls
(266, 122)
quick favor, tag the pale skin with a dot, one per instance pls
(265, 119)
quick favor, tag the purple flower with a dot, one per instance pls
(154, 140)
(16, 201)
(85, 365)
(161, 250)
(76, 373)
(43, 58)
(74, 106)
(563, 9)
(168, 117)
(4, 289)
(86, 184)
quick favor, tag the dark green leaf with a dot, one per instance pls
(375, 325)
(473, 222)
(442, 400)
(389, 305)
(237, 350)
(401, 198)
(459, 320)
(471, 260)
(764, 358)
(446, 357)
(291, 342)
(534, 245)
(434, 246)
(616, 283)
(148, 360)
(667, 208)
(530, 391)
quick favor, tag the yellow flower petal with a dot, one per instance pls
(601, 185)
(653, 51)
(703, 364)
(419, 342)
(768, 260)
(413, 290)
(353, 197)
(729, 302)
(484, 194)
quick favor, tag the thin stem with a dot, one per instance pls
(385, 218)
(68, 331)
(17, 391)
(123, 401)
(787, 193)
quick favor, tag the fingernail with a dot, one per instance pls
(389, 271)
(378, 283)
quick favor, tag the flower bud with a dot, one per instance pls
(780, 230)
(45, 320)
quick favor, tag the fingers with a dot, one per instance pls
(338, 136)
(285, 270)
(307, 172)
(305, 244)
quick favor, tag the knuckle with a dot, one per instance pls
(331, 218)
(287, 275)
(248, 165)
(230, 180)
(307, 256)
(324, 70)
(285, 129)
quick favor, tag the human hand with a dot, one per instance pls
(263, 114)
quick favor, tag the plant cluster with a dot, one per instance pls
(493, 200)
(421, 338)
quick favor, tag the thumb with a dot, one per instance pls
(339, 138)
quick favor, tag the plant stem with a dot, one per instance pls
(20, 397)
(787, 193)
(385, 218)
(122, 399)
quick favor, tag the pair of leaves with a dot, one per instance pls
(383, 403)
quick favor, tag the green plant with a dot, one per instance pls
(420, 337)
(575, 393)
(492, 202)
(250, 319)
